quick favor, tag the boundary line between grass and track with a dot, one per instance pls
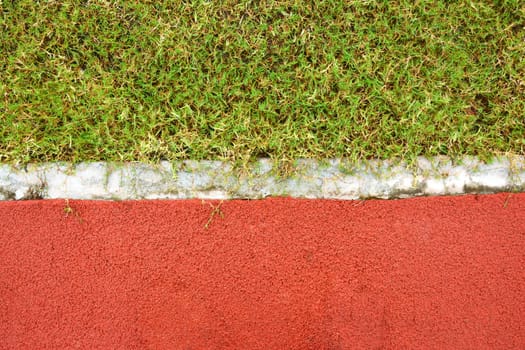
(329, 179)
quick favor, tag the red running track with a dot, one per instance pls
(423, 273)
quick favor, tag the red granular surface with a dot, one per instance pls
(425, 273)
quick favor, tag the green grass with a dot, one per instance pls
(237, 80)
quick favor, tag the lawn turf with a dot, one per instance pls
(237, 80)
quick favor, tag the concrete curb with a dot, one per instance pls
(330, 179)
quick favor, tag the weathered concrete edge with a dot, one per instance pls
(329, 179)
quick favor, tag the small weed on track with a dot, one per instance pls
(69, 210)
(216, 210)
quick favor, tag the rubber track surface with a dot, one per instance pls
(423, 273)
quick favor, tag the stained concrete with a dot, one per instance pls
(331, 179)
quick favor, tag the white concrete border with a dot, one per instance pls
(333, 179)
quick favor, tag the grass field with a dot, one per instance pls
(237, 80)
